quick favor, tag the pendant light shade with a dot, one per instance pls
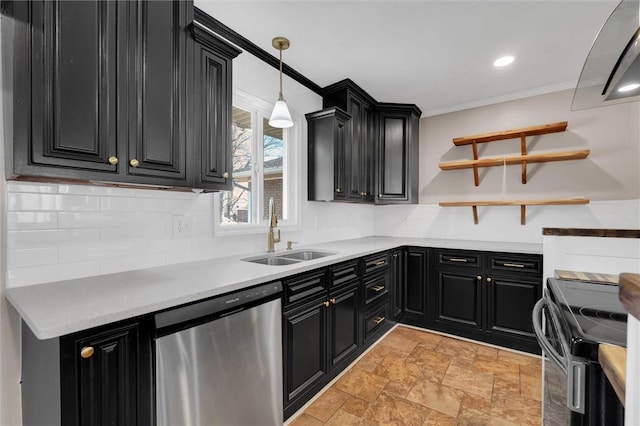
(280, 117)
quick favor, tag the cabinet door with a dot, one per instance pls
(359, 151)
(459, 298)
(415, 290)
(343, 324)
(397, 166)
(305, 352)
(104, 380)
(158, 88)
(212, 110)
(397, 282)
(65, 113)
(510, 303)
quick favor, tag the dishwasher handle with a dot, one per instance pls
(189, 315)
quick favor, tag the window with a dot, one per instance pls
(262, 169)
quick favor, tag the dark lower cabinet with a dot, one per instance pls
(344, 323)
(396, 282)
(97, 377)
(305, 351)
(487, 296)
(458, 299)
(510, 302)
(415, 302)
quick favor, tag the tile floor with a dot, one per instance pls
(414, 377)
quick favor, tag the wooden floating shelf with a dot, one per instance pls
(522, 203)
(542, 129)
(501, 161)
(522, 159)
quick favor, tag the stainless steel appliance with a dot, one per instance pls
(577, 317)
(219, 361)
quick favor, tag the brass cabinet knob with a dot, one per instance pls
(379, 195)
(225, 175)
(113, 160)
(86, 352)
(326, 303)
(479, 277)
(338, 190)
(333, 301)
(134, 163)
(488, 280)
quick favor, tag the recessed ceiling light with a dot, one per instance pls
(505, 60)
(629, 87)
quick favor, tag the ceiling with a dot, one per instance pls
(436, 54)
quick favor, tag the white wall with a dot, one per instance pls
(609, 177)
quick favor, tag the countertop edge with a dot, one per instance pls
(84, 303)
(630, 293)
(613, 360)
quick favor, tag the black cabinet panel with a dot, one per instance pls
(344, 322)
(376, 320)
(459, 299)
(304, 337)
(302, 287)
(397, 154)
(416, 278)
(397, 282)
(159, 79)
(510, 303)
(65, 91)
(212, 110)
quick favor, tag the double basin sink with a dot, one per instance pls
(289, 258)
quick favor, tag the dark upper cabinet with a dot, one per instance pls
(326, 155)
(358, 154)
(375, 157)
(66, 98)
(105, 91)
(211, 112)
(397, 154)
(158, 91)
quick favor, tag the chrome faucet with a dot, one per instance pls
(273, 223)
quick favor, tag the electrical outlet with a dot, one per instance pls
(182, 226)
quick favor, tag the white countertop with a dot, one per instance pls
(63, 307)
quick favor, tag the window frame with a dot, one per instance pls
(291, 178)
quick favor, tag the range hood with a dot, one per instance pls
(611, 73)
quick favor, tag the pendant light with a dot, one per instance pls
(280, 117)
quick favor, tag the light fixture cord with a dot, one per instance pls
(280, 97)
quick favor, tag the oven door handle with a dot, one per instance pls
(542, 339)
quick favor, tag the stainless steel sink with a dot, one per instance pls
(289, 258)
(306, 255)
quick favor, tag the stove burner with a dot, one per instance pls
(602, 314)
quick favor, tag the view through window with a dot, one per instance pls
(258, 153)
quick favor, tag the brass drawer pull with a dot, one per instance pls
(86, 352)
(380, 263)
(513, 265)
(333, 301)
(378, 320)
(326, 303)
(378, 288)
(457, 259)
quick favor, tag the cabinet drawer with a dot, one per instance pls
(376, 319)
(344, 273)
(376, 287)
(304, 286)
(527, 265)
(376, 262)
(456, 258)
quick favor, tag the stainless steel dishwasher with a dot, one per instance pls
(219, 361)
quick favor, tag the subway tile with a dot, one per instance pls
(32, 257)
(32, 187)
(51, 202)
(128, 263)
(125, 204)
(17, 221)
(95, 219)
(19, 277)
(46, 238)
